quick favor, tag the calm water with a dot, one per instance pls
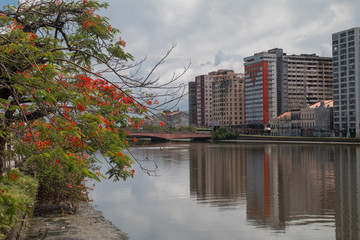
(238, 191)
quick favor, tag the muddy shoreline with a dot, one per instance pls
(86, 224)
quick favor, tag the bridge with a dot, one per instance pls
(163, 136)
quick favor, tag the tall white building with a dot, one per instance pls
(346, 77)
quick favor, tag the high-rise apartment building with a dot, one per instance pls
(276, 83)
(307, 80)
(203, 93)
(192, 104)
(228, 98)
(346, 75)
(261, 99)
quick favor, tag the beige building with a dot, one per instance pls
(228, 98)
(281, 126)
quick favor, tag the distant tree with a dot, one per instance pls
(223, 133)
(57, 105)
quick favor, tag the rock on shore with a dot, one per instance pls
(87, 224)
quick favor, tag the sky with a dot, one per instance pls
(6, 2)
(218, 34)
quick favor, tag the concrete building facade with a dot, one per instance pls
(260, 88)
(276, 83)
(228, 98)
(203, 96)
(192, 104)
(312, 121)
(346, 75)
(307, 80)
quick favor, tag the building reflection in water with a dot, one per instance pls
(347, 179)
(289, 184)
(218, 174)
(282, 185)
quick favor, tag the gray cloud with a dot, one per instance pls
(218, 34)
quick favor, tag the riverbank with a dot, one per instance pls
(294, 140)
(86, 224)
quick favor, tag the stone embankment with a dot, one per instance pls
(86, 224)
(284, 139)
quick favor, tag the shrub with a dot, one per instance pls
(17, 194)
(223, 133)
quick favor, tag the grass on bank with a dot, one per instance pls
(17, 195)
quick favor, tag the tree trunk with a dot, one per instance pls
(5, 93)
(2, 154)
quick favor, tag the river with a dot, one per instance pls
(238, 191)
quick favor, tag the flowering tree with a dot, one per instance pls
(57, 107)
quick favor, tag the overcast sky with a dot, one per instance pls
(218, 34)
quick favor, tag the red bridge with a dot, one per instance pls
(170, 136)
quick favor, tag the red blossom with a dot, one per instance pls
(162, 124)
(13, 177)
(122, 42)
(135, 140)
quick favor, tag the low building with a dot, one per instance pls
(281, 126)
(312, 121)
(177, 119)
(171, 119)
(324, 119)
(307, 121)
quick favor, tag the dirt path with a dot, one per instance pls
(87, 224)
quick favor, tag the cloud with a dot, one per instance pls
(219, 34)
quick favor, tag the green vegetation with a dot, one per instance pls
(66, 98)
(17, 195)
(223, 134)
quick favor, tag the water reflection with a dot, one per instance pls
(238, 191)
(217, 174)
(347, 182)
(283, 185)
